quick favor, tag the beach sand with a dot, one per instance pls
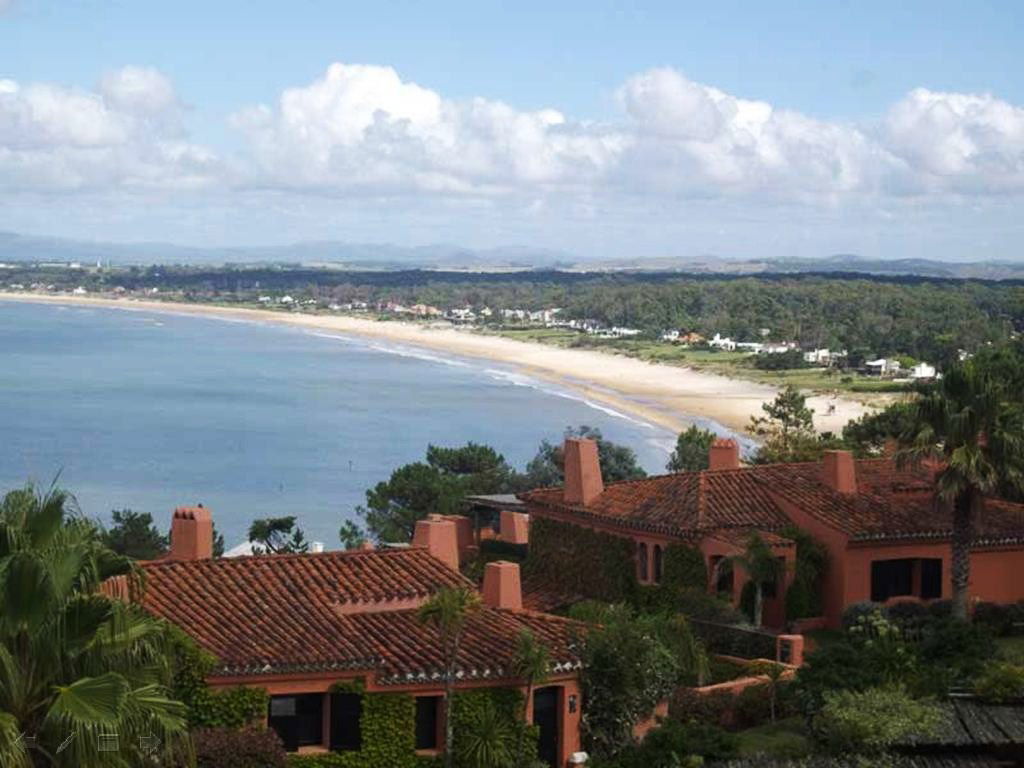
(669, 396)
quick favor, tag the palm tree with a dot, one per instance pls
(488, 737)
(83, 677)
(448, 611)
(773, 672)
(533, 665)
(971, 426)
(762, 567)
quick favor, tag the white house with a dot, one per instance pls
(923, 371)
(722, 343)
(883, 366)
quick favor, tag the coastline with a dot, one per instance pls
(668, 396)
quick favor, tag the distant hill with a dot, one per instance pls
(16, 247)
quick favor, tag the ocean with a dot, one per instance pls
(148, 411)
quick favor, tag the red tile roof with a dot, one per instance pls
(294, 613)
(890, 503)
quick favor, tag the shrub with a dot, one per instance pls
(688, 706)
(869, 722)
(956, 649)
(940, 609)
(244, 748)
(752, 706)
(1001, 619)
(698, 604)
(855, 611)
(1000, 683)
(676, 744)
(907, 612)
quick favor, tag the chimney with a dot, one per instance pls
(191, 534)
(582, 469)
(502, 588)
(839, 471)
(440, 538)
(724, 454)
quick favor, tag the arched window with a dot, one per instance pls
(641, 555)
(657, 563)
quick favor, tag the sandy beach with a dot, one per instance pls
(668, 396)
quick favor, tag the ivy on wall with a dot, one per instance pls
(581, 561)
(227, 708)
(388, 726)
(803, 599)
(564, 555)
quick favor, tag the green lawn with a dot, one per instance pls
(784, 740)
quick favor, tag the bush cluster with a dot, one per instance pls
(238, 748)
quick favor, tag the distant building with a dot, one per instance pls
(883, 367)
(286, 300)
(923, 371)
(79, 291)
(720, 342)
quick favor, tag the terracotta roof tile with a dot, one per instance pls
(293, 613)
(890, 503)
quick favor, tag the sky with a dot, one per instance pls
(607, 130)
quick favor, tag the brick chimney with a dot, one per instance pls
(502, 587)
(582, 469)
(440, 537)
(839, 471)
(724, 454)
(191, 534)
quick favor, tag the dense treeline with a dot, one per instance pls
(923, 317)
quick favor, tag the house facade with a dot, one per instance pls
(310, 628)
(886, 537)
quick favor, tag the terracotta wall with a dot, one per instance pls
(998, 575)
(859, 558)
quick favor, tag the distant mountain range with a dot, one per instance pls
(16, 247)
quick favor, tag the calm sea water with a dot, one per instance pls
(151, 411)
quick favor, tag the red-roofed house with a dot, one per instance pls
(886, 536)
(297, 625)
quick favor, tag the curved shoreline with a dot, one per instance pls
(668, 396)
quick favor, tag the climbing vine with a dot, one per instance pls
(388, 726)
(564, 555)
(803, 598)
(228, 708)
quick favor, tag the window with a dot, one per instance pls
(931, 578)
(723, 568)
(426, 721)
(891, 578)
(346, 711)
(770, 589)
(298, 720)
(658, 565)
(642, 561)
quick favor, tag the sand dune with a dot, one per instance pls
(666, 395)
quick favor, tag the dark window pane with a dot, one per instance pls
(642, 557)
(346, 711)
(931, 578)
(298, 720)
(891, 578)
(426, 721)
(658, 565)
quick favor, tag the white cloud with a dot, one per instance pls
(125, 134)
(362, 127)
(363, 131)
(958, 142)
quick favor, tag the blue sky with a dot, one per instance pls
(606, 129)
